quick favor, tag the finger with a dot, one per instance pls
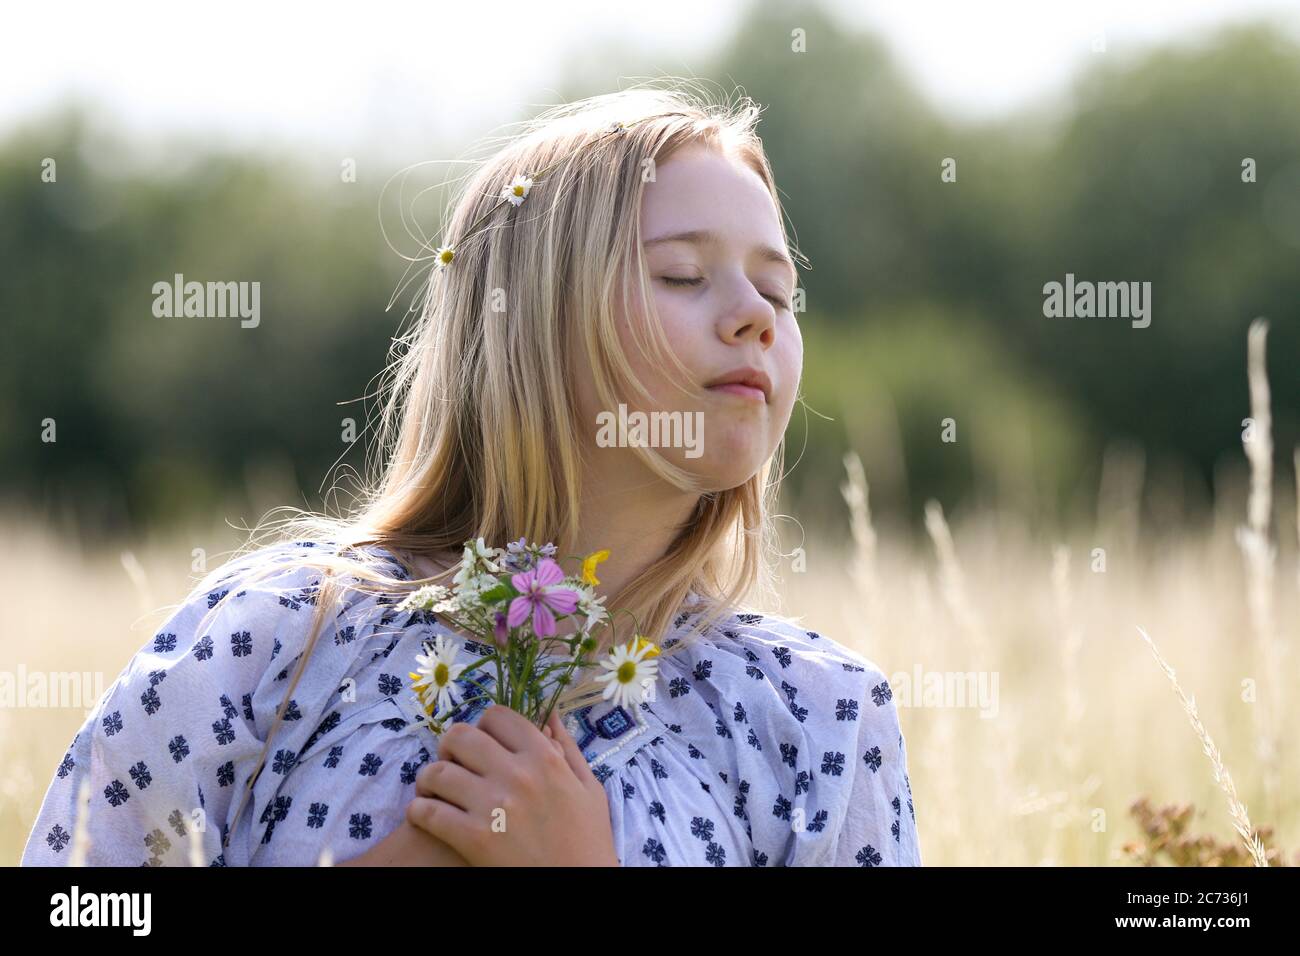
(450, 824)
(511, 729)
(451, 782)
(569, 749)
(474, 749)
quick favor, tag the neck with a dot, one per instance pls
(626, 509)
(637, 519)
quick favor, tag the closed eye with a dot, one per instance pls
(673, 281)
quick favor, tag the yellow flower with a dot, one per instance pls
(426, 701)
(589, 565)
(641, 642)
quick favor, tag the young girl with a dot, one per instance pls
(641, 266)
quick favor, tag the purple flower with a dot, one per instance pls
(517, 557)
(522, 556)
(499, 631)
(539, 597)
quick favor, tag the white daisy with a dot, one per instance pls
(630, 670)
(443, 256)
(516, 191)
(438, 668)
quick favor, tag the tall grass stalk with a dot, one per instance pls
(1070, 642)
(856, 494)
(1236, 809)
(1260, 556)
(998, 751)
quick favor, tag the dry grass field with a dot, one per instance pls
(1042, 726)
(1034, 712)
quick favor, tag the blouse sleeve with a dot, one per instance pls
(879, 824)
(169, 746)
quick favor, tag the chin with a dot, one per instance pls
(725, 455)
(721, 472)
(738, 445)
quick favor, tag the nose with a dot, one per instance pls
(750, 317)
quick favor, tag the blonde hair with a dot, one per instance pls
(479, 436)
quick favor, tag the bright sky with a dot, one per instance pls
(329, 73)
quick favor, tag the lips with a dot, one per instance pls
(737, 388)
(747, 382)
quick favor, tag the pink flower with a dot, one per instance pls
(539, 597)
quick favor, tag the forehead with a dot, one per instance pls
(701, 196)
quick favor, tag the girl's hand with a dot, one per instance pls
(503, 793)
(408, 845)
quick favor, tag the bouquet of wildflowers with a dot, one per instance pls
(512, 599)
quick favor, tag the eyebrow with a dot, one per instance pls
(707, 237)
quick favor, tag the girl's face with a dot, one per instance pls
(722, 283)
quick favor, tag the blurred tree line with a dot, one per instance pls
(925, 297)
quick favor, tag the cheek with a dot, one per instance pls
(683, 331)
(790, 364)
(681, 335)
